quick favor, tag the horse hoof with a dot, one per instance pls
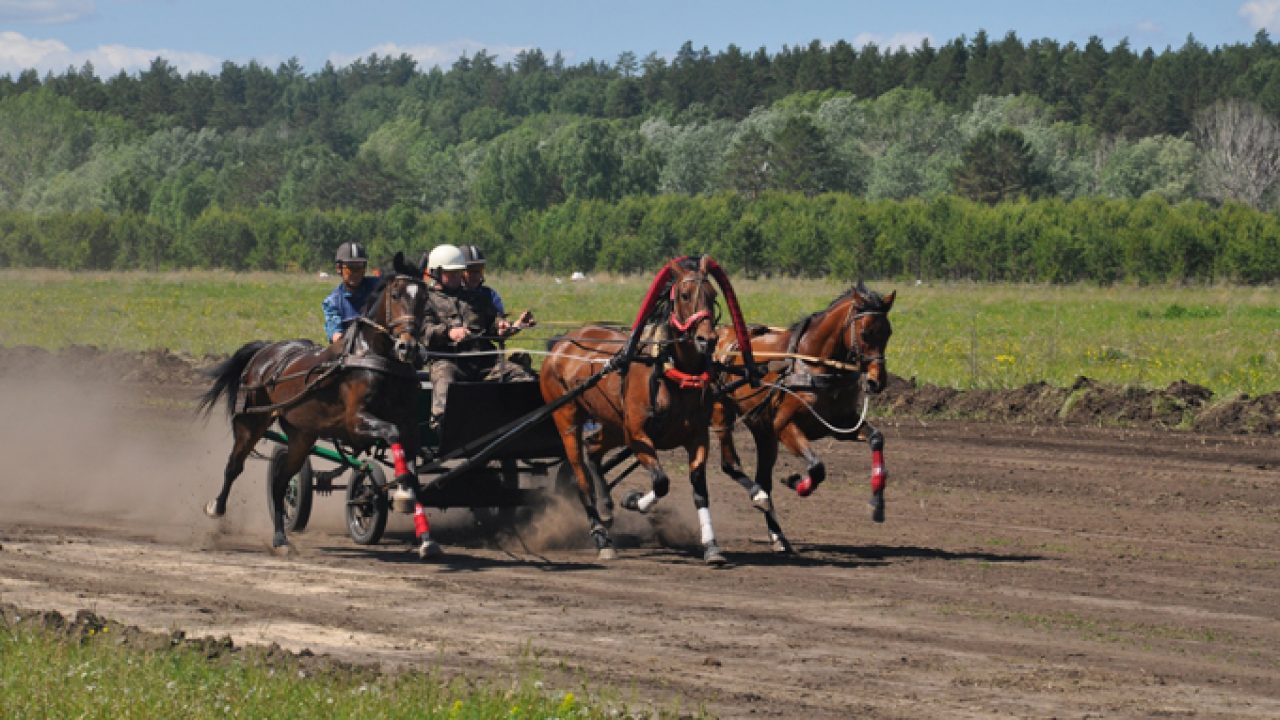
(781, 546)
(711, 555)
(429, 549)
(283, 551)
(212, 509)
(607, 553)
(877, 507)
(762, 502)
(632, 501)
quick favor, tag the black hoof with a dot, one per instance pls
(632, 501)
(877, 508)
(711, 555)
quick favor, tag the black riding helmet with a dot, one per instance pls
(473, 255)
(351, 252)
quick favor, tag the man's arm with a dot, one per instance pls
(332, 319)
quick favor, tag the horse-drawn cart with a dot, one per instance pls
(495, 451)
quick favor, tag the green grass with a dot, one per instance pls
(989, 336)
(45, 674)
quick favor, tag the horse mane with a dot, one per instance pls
(388, 272)
(872, 301)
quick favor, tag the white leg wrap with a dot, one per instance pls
(647, 501)
(704, 520)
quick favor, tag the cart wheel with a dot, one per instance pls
(297, 497)
(366, 504)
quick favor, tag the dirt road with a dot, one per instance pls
(1023, 571)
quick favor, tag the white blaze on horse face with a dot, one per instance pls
(412, 291)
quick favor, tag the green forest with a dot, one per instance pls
(979, 159)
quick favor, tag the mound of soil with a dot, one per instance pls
(1181, 405)
(86, 362)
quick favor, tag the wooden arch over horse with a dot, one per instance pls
(818, 374)
(660, 398)
(356, 392)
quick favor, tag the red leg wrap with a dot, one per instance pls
(805, 487)
(397, 455)
(421, 527)
(878, 474)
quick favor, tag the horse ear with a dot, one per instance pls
(705, 264)
(888, 300)
(402, 267)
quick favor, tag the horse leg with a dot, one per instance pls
(406, 478)
(566, 420)
(711, 554)
(246, 431)
(660, 484)
(797, 443)
(299, 447)
(879, 475)
(731, 462)
(603, 496)
(766, 458)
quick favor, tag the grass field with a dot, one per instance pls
(1226, 338)
(45, 674)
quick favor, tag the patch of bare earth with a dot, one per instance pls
(1028, 568)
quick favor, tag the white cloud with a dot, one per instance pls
(908, 40)
(1262, 14)
(1148, 27)
(18, 53)
(44, 11)
(429, 56)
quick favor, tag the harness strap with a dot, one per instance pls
(687, 381)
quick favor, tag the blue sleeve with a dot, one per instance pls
(332, 317)
(497, 301)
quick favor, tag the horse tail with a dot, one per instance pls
(226, 377)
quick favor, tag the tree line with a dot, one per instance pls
(774, 235)
(165, 170)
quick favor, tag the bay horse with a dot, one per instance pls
(660, 399)
(824, 366)
(357, 391)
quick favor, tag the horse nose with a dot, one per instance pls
(402, 349)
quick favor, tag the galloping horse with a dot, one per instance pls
(357, 391)
(825, 364)
(659, 400)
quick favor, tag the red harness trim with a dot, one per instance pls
(687, 381)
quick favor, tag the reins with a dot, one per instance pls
(348, 359)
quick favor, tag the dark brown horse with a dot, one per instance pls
(660, 399)
(820, 372)
(357, 392)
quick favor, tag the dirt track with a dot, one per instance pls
(1023, 571)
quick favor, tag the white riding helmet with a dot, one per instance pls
(446, 257)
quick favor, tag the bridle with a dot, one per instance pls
(395, 326)
(686, 325)
(855, 356)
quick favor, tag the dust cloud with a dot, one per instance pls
(86, 453)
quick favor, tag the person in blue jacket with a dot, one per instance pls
(342, 306)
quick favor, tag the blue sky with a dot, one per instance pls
(126, 34)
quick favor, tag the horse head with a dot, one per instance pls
(398, 307)
(692, 300)
(867, 332)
